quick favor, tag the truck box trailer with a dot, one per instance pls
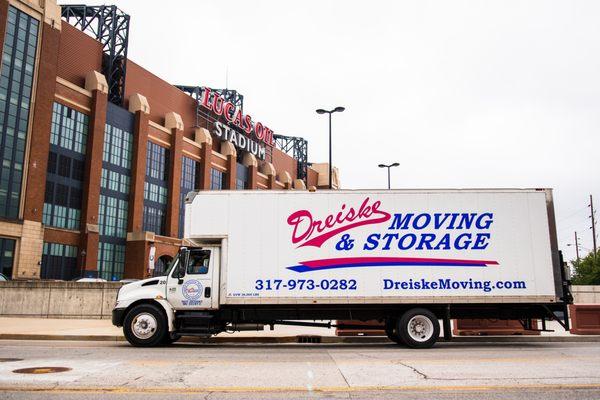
(405, 257)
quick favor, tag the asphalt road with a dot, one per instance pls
(100, 370)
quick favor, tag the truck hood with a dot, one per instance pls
(148, 288)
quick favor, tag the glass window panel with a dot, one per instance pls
(18, 63)
(59, 261)
(216, 179)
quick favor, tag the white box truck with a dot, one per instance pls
(408, 258)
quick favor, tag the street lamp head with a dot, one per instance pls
(395, 164)
(321, 111)
(382, 166)
(338, 109)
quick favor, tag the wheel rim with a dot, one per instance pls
(144, 325)
(420, 328)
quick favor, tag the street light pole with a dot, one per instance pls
(389, 180)
(322, 111)
(330, 156)
(388, 171)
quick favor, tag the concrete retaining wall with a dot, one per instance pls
(586, 294)
(49, 299)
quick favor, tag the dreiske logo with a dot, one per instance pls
(192, 289)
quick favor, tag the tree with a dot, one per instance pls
(587, 270)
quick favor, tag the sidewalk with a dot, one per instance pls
(19, 328)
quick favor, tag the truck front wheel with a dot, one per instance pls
(418, 328)
(145, 326)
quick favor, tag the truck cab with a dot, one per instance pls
(148, 309)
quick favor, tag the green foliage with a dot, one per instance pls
(587, 270)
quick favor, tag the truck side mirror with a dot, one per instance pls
(183, 262)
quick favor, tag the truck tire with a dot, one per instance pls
(418, 328)
(170, 339)
(145, 326)
(391, 332)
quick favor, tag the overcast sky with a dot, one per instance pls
(460, 93)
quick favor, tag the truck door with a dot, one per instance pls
(196, 290)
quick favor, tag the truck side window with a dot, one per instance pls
(198, 262)
(174, 267)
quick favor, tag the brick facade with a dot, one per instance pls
(44, 100)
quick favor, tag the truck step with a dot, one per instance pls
(196, 323)
(191, 330)
(194, 318)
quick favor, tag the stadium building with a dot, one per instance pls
(97, 153)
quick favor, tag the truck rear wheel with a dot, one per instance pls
(418, 328)
(145, 326)
(391, 331)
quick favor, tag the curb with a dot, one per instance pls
(33, 336)
(303, 339)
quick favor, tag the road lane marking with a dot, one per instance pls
(339, 389)
(310, 375)
(533, 359)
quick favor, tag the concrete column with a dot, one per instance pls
(286, 179)
(205, 166)
(252, 177)
(227, 149)
(231, 173)
(299, 184)
(174, 183)
(138, 106)
(135, 249)
(269, 170)
(202, 137)
(136, 257)
(174, 123)
(96, 83)
(249, 160)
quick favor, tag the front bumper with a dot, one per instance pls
(118, 315)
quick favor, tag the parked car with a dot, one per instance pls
(126, 281)
(90, 280)
(3, 278)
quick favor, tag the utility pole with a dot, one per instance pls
(593, 217)
(321, 111)
(577, 247)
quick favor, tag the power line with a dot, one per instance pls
(582, 224)
(573, 214)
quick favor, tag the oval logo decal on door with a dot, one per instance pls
(192, 291)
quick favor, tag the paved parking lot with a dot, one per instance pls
(450, 370)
